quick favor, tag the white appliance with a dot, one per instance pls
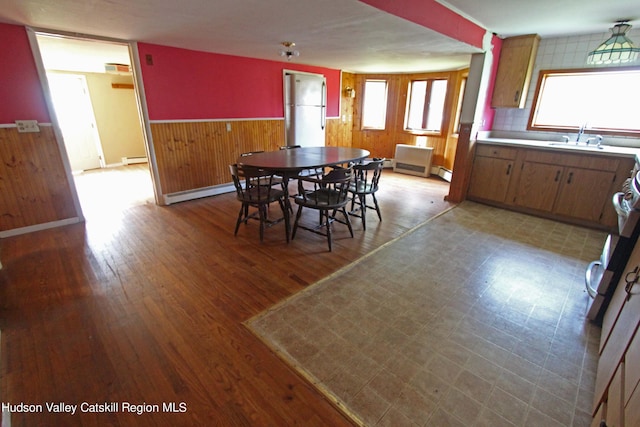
(413, 160)
(602, 275)
(305, 112)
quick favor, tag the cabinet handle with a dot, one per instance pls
(515, 98)
(570, 178)
(631, 279)
(557, 176)
(508, 169)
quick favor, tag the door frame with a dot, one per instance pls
(143, 111)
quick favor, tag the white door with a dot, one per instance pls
(72, 104)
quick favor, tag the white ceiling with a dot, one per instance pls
(341, 34)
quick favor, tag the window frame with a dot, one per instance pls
(425, 112)
(537, 97)
(364, 103)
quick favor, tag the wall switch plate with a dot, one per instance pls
(27, 126)
(228, 127)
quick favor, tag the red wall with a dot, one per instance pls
(187, 85)
(489, 113)
(435, 16)
(21, 96)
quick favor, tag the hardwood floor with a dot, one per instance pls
(145, 305)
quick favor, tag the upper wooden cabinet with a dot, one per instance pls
(517, 57)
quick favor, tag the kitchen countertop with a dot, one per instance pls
(606, 150)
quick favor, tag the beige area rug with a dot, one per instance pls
(474, 318)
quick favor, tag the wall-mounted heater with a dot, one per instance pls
(413, 160)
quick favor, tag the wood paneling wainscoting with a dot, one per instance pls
(382, 143)
(192, 155)
(34, 188)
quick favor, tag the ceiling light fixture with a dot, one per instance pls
(616, 49)
(289, 53)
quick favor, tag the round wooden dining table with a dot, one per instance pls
(291, 161)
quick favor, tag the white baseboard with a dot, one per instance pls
(39, 227)
(198, 194)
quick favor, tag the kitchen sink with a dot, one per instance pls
(574, 145)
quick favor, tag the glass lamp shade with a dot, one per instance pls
(616, 49)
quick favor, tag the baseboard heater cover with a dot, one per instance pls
(413, 160)
(131, 160)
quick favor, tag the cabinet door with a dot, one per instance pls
(514, 71)
(615, 405)
(584, 193)
(632, 411)
(490, 178)
(538, 185)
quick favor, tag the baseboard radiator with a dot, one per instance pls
(413, 160)
(131, 160)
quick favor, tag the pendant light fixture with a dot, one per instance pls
(289, 52)
(617, 49)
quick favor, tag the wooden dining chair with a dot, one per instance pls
(329, 194)
(267, 179)
(366, 177)
(258, 196)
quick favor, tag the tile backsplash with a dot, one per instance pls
(557, 53)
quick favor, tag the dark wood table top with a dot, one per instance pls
(296, 159)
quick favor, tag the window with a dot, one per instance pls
(374, 108)
(425, 110)
(456, 121)
(602, 100)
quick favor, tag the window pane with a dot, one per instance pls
(436, 105)
(426, 105)
(605, 100)
(416, 104)
(374, 109)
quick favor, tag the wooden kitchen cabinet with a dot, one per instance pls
(583, 193)
(491, 175)
(515, 67)
(617, 395)
(568, 186)
(538, 186)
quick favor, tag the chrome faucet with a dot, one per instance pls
(580, 132)
(597, 138)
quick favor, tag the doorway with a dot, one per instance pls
(93, 95)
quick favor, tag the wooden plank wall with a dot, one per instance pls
(192, 155)
(339, 130)
(382, 143)
(33, 185)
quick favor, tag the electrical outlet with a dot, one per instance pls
(228, 127)
(27, 126)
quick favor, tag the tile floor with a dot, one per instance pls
(476, 318)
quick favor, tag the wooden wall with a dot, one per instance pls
(339, 130)
(33, 186)
(192, 155)
(382, 143)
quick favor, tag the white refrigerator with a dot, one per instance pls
(305, 98)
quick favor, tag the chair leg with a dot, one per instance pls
(328, 223)
(285, 212)
(295, 223)
(262, 211)
(239, 221)
(375, 203)
(348, 221)
(363, 210)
